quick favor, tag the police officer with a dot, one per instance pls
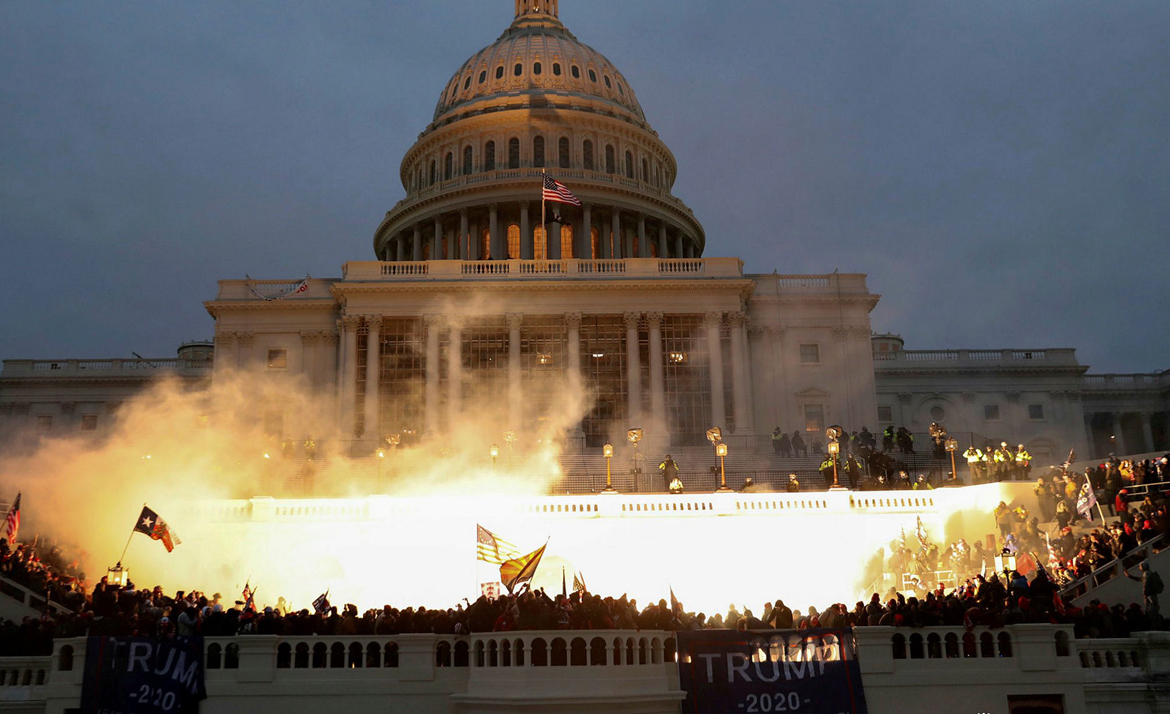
(974, 456)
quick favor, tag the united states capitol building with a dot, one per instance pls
(482, 298)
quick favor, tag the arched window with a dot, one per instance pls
(563, 153)
(539, 244)
(500, 72)
(592, 76)
(467, 161)
(595, 243)
(536, 68)
(483, 76)
(538, 151)
(610, 168)
(485, 244)
(467, 83)
(576, 71)
(556, 69)
(629, 165)
(513, 241)
(433, 177)
(587, 155)
(513, 153)
(448, 166)
(567, 241)
(489, 156)
(518, 70)
(608, 85)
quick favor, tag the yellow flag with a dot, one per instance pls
(518, 571)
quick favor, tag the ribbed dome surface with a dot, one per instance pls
(537, 55)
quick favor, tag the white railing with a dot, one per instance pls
(1013, 356)
(47, 368)
(520, 269)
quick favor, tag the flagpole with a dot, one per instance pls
(132, 532)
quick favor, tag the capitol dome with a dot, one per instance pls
(538, 101)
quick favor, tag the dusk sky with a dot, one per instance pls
(1000, 169)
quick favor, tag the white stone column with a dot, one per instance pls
(515, 394)
(327, 364)
(244, 340)
(643, 250)
(416, 245)
(585, 240)
(225, 344)
(437, 240)
(454, 376)
(657, 378)
(526, 236)
(633, 371)
(496, 242)
(1147, 432)
(739, 385)
(780, 393)
(663, 242)
(713, 322)
(678, 247)
(616, 246)
(309, 358)
(461, 243)
(553, 236)
(433, 326)
(349, 376)
(372, 418)
(400, 246)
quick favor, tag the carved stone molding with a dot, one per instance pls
(515, 320)
(351, 322)
(905, 397)
(713, 319)
(311, 337)
(1013, 397)
(632, 319)
(840, 332)
(736, 319)
(330, 338)
(67, 408)
(372, 322)
(573, 320)
(968, 397)
(113, 406)
(225, 337)
(654, 319)
(245, 339)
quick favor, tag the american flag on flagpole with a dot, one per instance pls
(12, 522)
(556, 191)
(490, 548)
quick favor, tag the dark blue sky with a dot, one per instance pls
(1000, 169)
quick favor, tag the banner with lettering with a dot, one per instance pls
(766, 671)
(143, 675)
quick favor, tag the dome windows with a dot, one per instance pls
(576, 72)
(467, 83)
(609, 160)
(587, 155)
(629, 165)
(433, 174)
(645, 171)
(448, 166)
(536, 68)
(518, 70)
(592, 76)
(467, 161)
(620, 90)
(556, 69)
(538, 152)
(500, 72)
(608, 84)
(483, 76)
(489, 156)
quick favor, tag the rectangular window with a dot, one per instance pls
(278, 359)
(814, 417)
(44, 422)
(991, 412)
(1036, 412)
(89, 422)
(886, 415)
(810, 354)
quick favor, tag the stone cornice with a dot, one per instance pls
(719, 285)
(215, 307)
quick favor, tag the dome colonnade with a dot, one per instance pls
(538, 100)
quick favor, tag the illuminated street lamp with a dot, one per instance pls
(635, 435)
(495, 451)
(834, 432)
(951, 445)
(509, 439)
(721, 452)
(607, 452)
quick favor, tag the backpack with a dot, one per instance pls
(1154, 583)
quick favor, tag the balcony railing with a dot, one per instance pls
(1125, 381)
(632, 268)
(103, 367)
(1014, 357)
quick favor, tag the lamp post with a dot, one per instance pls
(721, 452)
(951, 445)
(509, 439)
(495, 452)
(381, 461)
(834, 449)
(607, 451)
(635, 435)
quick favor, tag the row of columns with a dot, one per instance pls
(714, 323)
(408, 245)
(1123, 447)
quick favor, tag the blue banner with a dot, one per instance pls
(766, 671)
(143, 675)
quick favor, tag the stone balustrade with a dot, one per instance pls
(975, 358)
(74, 368)
(639, 268)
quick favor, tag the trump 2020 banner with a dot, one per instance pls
(761, 672)
(143, 675)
